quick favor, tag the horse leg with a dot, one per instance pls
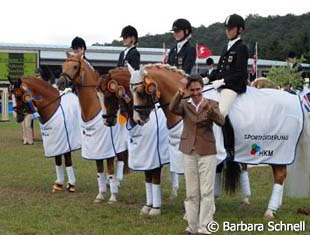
(70, 172)
(113, 181)
(149, 194)
(101, 180)
(174, 177)
(58, 185)
(156, 192)
(279, 174)
(120, 164)
(245, 185)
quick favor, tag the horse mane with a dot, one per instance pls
(167, 67)
(36, 83)
(121, 75)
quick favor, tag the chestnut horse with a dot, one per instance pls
(32, 90)
(97, 138)
(115, 87)
(161, 82)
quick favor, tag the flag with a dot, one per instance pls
(203, 51)
(254, 65)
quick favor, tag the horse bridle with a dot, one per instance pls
(143, 108)
(79, 74)
(108, 88)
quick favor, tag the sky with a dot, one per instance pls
(59, 21)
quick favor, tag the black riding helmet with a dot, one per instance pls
(182, 24)
(129, 31)
(78, 42)
(234, 20)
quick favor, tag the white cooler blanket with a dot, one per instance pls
(148, 144)
(97, 143)
(176, 156)
(267, 125)
(62, 133)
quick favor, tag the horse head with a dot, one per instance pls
(145, 93)
(75, 69)
(115, 88)
(16, 90)
(35, 93)
(263, 83)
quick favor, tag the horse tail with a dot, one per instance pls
(231, 176)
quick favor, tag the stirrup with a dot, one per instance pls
(70, 188)
(57, 188)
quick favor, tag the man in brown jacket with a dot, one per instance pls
(198, 146)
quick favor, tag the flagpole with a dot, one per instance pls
(256, 52)
(196, 58)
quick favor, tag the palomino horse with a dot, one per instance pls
(60, 134)
(115, 88)
(162, 82)
(97, 140)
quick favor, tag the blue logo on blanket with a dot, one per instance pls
(257, 151)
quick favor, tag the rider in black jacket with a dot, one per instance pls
(231, 74)
(130, 55)
(183, 54)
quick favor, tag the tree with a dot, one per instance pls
(285, 77)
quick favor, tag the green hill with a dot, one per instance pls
(275, 35)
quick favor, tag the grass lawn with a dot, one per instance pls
(27, 205)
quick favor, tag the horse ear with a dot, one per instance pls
(24, 86)
(130, 69)
(142, 71)
(69, 54)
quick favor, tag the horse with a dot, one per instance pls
(55, 113)
(115, 88)
(161, 82)
(97, 138)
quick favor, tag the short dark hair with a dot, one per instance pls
(209, 61)
(194, 78)
(291, 54)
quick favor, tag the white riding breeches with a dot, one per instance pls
(227, 97)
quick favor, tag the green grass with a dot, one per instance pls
(27, 205)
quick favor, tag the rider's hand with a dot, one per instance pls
(65, 91)
(218, 83)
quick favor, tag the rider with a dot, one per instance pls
(183, 54)
(78, 45)
(130, 55)
(231, 73)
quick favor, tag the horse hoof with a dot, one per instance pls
(113, 199)
(145, 210)
(269, 215)
(57, 188)
(99, 198)
(70, 188)
(155, 212)
(245, 202)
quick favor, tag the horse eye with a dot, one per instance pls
(75, 67)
